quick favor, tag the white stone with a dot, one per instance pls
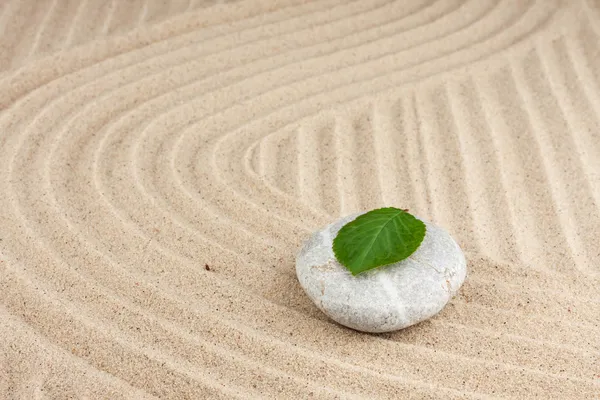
(387, 298)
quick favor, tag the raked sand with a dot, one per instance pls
(142, 140)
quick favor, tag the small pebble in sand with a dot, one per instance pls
(387, 298)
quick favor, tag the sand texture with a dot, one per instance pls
(142, 140)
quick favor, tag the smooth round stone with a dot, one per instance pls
(387, 298)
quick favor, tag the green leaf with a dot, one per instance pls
(379, 237)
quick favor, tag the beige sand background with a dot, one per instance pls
(142, 140)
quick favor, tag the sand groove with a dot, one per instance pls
(141, 141)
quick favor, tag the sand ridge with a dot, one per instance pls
(140, 142)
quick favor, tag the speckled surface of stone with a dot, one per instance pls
(387, 298)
